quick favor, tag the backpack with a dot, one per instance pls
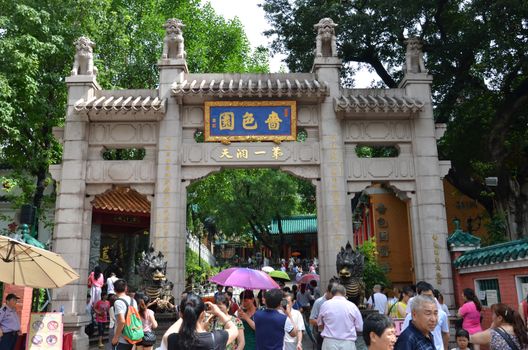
(133, 329)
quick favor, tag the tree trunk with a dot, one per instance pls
(512, 200)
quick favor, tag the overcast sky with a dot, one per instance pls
(252, 17)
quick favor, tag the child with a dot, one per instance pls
(101, 308)
(462, 339)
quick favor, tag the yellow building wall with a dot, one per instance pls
(461, 207)
(393, 237)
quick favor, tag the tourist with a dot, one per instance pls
(271, 325)
(523, 310)
(417, 336)
(470, 313)
(219, 289)
(304, 298)
(193, 336)
(9, 323)
(222, 301)
(110, 283)
(293, 343)
(299, 273)
(314, 314)
(121, 308)
(90, 328)
(95, 283)
(111, 320)
(379, 332)
(339, 321)
(314, 289)
(101, 308)
(233, 305)
(440, 297)
(441, 330)
(378, 300)
(397, 310)
(246, 314)
(462, 340)
(392, 298)
(175, 327)
(507, 331)
(149, 323)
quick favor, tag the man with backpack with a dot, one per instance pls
(127, 317)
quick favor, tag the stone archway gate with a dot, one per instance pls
(163, 122)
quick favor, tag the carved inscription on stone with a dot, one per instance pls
(251, 153)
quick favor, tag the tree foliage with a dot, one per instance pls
(36, 53)
(476, 51)
(372, 272)
(242, 202)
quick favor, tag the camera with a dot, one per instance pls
(207, 307)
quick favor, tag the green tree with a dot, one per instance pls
(476, 51)
(36, 53)
(242, 202)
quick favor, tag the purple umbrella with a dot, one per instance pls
(244, 278)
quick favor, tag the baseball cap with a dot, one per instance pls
(11, 296)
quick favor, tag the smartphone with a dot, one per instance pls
(284, 304)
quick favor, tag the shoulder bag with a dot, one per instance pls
(507, 338)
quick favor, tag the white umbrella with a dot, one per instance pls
(267, 269)
(25, 265)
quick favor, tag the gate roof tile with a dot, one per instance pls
(122, 200)
(494, 254)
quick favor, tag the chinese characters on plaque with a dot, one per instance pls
(250, 121)
(241, 153)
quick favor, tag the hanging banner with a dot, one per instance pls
(250, 121)
(45, 331)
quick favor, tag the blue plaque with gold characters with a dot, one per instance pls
(250, 121)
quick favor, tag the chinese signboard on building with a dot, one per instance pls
(250, 121)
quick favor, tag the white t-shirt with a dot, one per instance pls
(380, 302)
(110, 284)
(121, 308)
(297, 321)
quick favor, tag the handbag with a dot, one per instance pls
(149, 338)
(507, 338)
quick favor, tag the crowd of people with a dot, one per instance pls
(280, 319)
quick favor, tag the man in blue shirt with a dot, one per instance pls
(424, 319)
(9, 323)
(271, 325)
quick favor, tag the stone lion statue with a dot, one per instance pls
(83, 63)
(325, 42)
(173, 43)
(414, 62)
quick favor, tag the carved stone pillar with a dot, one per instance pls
(168, 207)
(334, 216)
(427, 205)
(71, 237)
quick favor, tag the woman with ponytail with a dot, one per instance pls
(193, 334)
(507, 331)
(470, 313)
